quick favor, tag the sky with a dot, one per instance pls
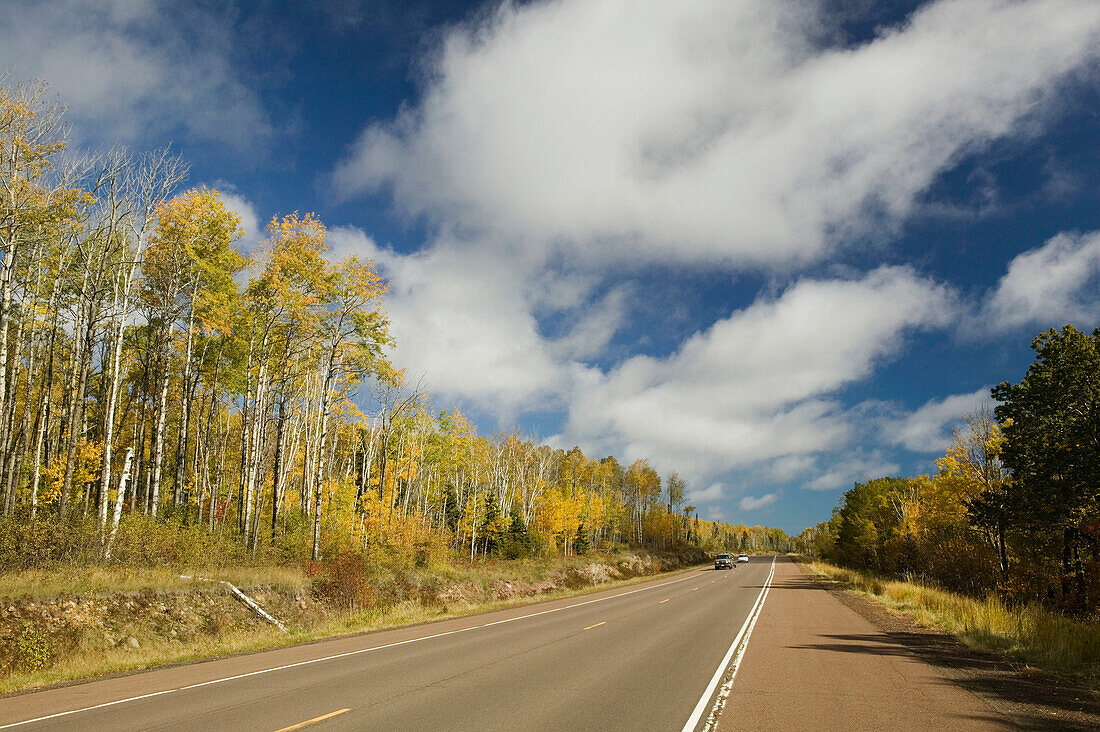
(778, 246)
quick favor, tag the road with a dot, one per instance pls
(632, 658)
(652, 656)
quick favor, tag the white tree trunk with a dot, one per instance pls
(123, 482)
(158, 434)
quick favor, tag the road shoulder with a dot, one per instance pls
(814, 663)
(1031, 698)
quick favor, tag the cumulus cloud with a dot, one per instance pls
(465, 323)
(755, 386)
(750, 503)
(610, 135)
(127, 69)
(790, 467)
(713, 493)
(856, 468)
(1055, 284)
(709, 130)
(235, 201)
(754, 389)
(929, 428)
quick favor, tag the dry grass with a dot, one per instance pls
(87, 662)
(1029, 633)
(84, 581)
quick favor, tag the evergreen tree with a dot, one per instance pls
(492, 527)
(452, 512)
(1051, 425)
(580, 544)
(518, 541)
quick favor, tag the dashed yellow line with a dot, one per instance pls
(315, 720)
(590, 627)
(694, 589)
(662, 602)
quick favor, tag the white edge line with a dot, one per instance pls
(338, 655)
(697, 713)
(727, 687)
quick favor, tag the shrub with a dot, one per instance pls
(343, 582)
(31, 650)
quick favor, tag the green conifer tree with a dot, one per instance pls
(581, 544)
(518, 543)
(492, 528)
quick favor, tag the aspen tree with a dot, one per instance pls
(353, 330)
(149, 183)
(188, 262)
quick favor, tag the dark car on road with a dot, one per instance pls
(723, 561)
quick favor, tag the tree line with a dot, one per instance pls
(150, 367)
(1015, 505)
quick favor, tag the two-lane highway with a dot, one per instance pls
(646, 656)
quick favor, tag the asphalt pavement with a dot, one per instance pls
(637, 657)
(762, 644)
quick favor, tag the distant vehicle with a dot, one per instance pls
(723, 561)
(742, 557)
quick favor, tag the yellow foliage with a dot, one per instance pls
(86, 470)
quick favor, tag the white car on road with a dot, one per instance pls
(742, 558)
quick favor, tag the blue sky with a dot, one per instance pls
(776, 245)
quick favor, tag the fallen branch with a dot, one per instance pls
(252, 604)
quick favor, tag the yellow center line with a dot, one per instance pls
(712, 582)
(693, 589)
(590, 627)
(662, 602)
(315, 720)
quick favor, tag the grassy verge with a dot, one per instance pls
(82, 581)
(1027, 633)
(396, 599)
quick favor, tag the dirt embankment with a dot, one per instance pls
(42, 634)
(593, 574)
(38, 634)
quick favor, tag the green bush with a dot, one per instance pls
(30, 650)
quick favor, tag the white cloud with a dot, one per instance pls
(713, 493)
(235, 201)
(856, 468)
(1055, 284)
(595, 326)
(464, 322)
(755, 386)
(929, 428)
(709, 130)
(749, 503)
(127, 70)
(789, 467)
(611, 134)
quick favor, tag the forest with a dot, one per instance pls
(1014, 508)
(166, 396)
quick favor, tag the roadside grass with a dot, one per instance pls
(1028, 633)
(88, 660)
(93, 580)
(37, 584)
